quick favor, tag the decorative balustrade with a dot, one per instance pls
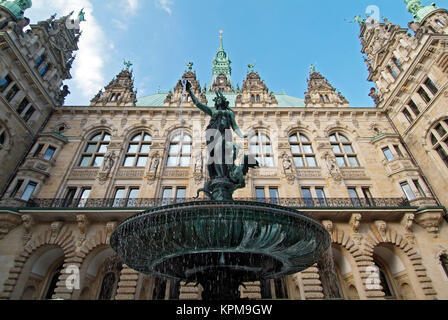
(286, 202)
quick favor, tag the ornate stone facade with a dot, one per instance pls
(362, 172)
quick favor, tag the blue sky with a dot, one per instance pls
(282, 38)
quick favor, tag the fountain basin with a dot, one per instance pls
(200, 241)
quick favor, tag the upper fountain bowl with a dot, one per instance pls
(196, 241)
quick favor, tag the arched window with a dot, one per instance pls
(3, 137)
(138, 150)
(252, 98)
(302, 151)
(95, 150)
(53, 282)
(440, 23)
(444, 261)
(179, 153)
(343, 150)
(439, 140)
(261, 148)
(107, 286)
(258, 98)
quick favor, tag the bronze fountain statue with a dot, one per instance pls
(225, 176)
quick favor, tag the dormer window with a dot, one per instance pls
(252, 98)
(440, 23)
(258, 98)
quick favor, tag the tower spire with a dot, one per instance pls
(221, 71)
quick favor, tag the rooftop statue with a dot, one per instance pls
(225, 176)
(127, 64)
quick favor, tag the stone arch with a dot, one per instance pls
(430, 123)
(63, 240)
(351, 133)
(9, 143)
(440, 253)
(345, 241)
(93, 128)
(99, 239)
(134, 129)
(407, 250)
(170, 131)
(306, 129)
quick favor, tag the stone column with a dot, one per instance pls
(312, 286)
(252, 291)
(127, 286)
(190, 291)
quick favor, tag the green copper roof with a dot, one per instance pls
(418, 10)
(284, 101)
(16, 7)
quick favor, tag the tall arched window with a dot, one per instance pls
(179, 153)
(343, 150)
(138, 150)
(3, 137)
(302, 151)
(444, 261)
(440, 23)
(439, 140)
(261, 148)
(107, 286)
(53, 282)
(385, 281)
(95, 150)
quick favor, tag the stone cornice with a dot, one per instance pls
(165, 111)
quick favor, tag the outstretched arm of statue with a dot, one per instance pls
(196, 101)
(236, 128)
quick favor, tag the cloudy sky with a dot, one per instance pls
(282, 38)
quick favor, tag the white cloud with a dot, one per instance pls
(88, 67)
(165, 5)
(130, 6)
(120, 25)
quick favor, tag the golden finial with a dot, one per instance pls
(221, 32)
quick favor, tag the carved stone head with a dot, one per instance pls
(328, 226)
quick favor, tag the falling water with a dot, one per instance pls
(328, 275)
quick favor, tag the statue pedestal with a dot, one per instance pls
(220, 189)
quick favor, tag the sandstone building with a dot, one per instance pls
(376, 178)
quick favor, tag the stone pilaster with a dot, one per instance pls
(127, 286)
(251, 291)
(312, 286)
(190, 291)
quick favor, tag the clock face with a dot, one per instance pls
(221, 81)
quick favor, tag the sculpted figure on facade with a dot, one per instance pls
(355, 222)
(288, 168)
(333, 168)
(381, 227)
(83, 224)
(155, 162)
(28, 222)
(55, 228)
